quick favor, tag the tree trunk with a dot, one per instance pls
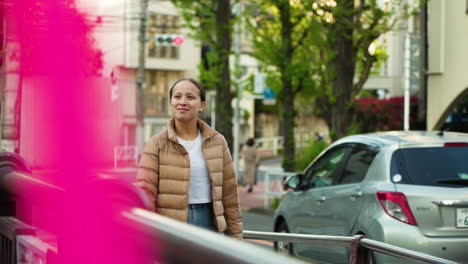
(223, 88)
(345, 66)
(288, 121)
(287, 97)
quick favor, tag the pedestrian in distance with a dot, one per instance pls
(251, 162)
(318, 137)
(186, 170)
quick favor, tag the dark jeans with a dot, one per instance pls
(202, 215)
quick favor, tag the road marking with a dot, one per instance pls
(263, 242)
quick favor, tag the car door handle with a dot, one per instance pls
(356, 194)
(321, 199)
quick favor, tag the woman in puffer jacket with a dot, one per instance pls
(186, 170)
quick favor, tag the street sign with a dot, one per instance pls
(268, 93)
(269, 96)
(259, 83)
(269, 101)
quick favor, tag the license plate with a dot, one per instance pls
(462, 217)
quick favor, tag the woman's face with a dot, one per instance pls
(185, 102)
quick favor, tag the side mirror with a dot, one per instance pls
(293, 182)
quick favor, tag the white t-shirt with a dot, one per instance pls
(200, 183)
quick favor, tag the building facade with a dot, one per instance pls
(447, 59)
(116, 26)
(164, 64)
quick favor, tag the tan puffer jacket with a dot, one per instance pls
(164, 175)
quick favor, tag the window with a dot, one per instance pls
(357, 165)
(162, 24)
(322, 172)
(157, 92)
(431, 166)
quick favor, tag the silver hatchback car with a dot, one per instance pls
(408, 189)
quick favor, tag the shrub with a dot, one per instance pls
(304, 157)
(374, 114)
(275, 203)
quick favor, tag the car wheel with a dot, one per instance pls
(284, 248)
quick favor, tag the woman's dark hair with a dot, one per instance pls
(194, 82)
(250, 142)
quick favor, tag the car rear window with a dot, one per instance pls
(435, 166)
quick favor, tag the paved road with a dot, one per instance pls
(258, 222)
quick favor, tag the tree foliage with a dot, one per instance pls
(355, 26)
(282, 33)
(211, 23)
(326, 58)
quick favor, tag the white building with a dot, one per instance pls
(118, 35)
(401, 68)
(448, 58)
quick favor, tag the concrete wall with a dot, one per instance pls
(448, 58)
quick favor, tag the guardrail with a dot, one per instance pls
(359, 246)
(275, 176)
(182, 243)
(270, 146)
(142, 233)
(159, 238)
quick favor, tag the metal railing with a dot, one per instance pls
(275, 176)
(178, 242)
(359, 246)
(270, 146)
(148, 235)
(182, 243)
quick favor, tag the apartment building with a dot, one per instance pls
(116, 35)
(164, 64)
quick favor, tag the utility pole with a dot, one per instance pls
(141, 75)
(407, 72)
(237, 47)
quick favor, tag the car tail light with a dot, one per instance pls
(396, 206)
(456, 144)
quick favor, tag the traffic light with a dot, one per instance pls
(168, 40)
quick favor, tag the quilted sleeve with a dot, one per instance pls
(232, 211)
(147, 177)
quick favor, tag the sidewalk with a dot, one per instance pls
(254, 201)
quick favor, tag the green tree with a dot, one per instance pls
(354, 26)
(319, 49)
(281, 34)
(211, 23)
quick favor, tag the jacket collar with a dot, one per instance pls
(206, 130)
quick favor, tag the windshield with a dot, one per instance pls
(435, 166)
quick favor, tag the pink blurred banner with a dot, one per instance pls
(68, 128)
